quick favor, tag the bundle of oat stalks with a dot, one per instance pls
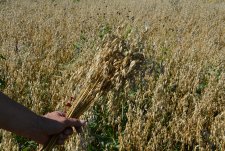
(116, 63)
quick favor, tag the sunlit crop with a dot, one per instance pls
(175, 99)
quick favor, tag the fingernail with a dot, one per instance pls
(83, 122)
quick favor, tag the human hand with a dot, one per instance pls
(56, 123)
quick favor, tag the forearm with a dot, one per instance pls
(17, 118)
(22, 121)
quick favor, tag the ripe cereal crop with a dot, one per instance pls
(148, 75)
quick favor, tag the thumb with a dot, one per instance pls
(72, 122)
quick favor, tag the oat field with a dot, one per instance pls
(174, 101)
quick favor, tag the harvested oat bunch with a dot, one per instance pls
(116, 63)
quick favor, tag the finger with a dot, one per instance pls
(74, 122)
(61, 113)
(62, 136)
(68, 131)
(60, 142)
(61, 139)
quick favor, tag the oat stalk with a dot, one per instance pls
(113, 65)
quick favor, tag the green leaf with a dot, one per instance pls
(2, 84)
(2, 57)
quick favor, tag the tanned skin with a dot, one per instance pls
(20, 120)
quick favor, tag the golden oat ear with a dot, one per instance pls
(115, 63)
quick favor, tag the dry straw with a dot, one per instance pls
(116, 63)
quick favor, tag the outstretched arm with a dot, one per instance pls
(20, 120)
